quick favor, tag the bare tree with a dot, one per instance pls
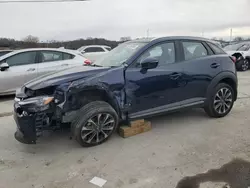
(31, 39)
(238, 39)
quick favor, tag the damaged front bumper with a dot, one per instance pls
(32, 116)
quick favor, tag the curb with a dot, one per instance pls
(4, 114)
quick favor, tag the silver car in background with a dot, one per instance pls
(21, 66)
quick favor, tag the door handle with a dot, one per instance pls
(31, 69)
(175, 75)
(214, 65)
(64, 64)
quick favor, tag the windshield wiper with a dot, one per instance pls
(93, 65)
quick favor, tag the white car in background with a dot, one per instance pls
(241, 51)
(3, 52)
(94, 52)
(21, 66)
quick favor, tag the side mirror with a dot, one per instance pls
(4, 66)
(82, 51)
(149, 63)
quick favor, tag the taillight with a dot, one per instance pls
(234, 59)
(87, 62)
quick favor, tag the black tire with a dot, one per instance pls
(84, 118)
(242, 65)
(213, 101)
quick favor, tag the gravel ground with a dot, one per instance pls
(180, 144)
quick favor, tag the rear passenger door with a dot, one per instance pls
(52, 61)
(200, 65)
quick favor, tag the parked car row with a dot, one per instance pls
(137, 79)
(241, 52)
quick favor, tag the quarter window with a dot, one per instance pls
(216, 49)
(165, 53)
(193, 50)
(22, 59)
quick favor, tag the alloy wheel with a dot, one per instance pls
(223, 100)
(245, 65)
(98, 128)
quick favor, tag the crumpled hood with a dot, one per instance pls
(64, 76)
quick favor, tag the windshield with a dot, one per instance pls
(120, 54)
(244, 47)
(232, 47)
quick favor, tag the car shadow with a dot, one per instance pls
(60, 140)
(7, 98)
(235, 174)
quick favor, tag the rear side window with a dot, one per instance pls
(193, 50)
(67, 56)
(24, 58)
(47, 56)
(94, 49)
(216, 49)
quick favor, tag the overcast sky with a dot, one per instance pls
(113, 19)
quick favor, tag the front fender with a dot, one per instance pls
(224, 76)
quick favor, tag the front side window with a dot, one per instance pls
(164, 53)
(22, 59)
(47, 56)
(193, 50)
(94, 49)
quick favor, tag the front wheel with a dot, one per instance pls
(95, 123)
(221, 101)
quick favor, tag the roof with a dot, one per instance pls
(73, 52)
(170, 38)
(95, 46)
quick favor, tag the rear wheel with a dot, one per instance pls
(221, 101)
(95, 124)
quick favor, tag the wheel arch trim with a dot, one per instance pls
(219, 78)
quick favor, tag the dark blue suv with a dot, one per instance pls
(135, 80)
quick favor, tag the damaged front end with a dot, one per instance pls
(52, 103)
(35, 114)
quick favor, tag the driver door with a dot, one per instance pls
(22, 68)
(158, 88)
